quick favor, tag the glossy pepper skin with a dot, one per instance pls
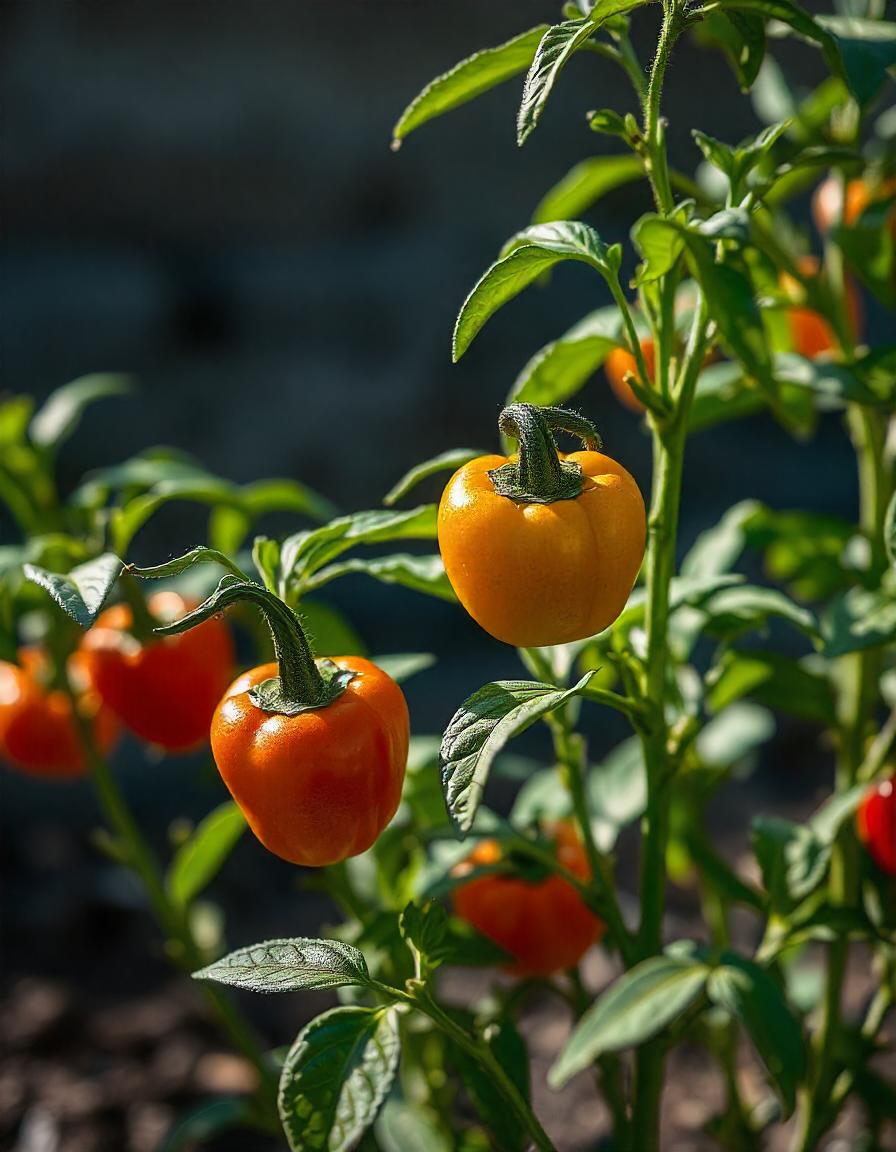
(319, 786)
(532, 574)
(38, 734)
(165, 691)
(876, 822)
(545, 925)
(619, 363)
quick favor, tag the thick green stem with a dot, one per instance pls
(538, 475)
(172, 920)
(301, 683)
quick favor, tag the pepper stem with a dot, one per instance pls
(302, 682)
(539, 476)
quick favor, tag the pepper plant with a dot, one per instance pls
(732, 307)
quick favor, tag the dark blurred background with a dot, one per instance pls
(201, 193)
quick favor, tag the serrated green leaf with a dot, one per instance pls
(530, 254)
(199, 859)
(636, 1007)
(82, 592)
(585, 184)
(336, 1076)
(289, 965)
(558, 44)
(470, 78)
(479, 730)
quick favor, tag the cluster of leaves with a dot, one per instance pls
(740, 653)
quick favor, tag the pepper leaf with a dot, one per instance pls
(560, 369)
(289, 965)
(635, 1008)
(753, 998)
(201, 856)
(557, 46)
(468, 79)
(82, 592)
(336, 1076)
(528, 255)
(585, 184)
(448, 461)
(304, 553)
(480, 729)
(421, 573)
(61, 414)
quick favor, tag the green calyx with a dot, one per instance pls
(538, 475)
(303, 683)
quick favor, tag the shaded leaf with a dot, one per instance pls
(336, 1076)
(560, 369)
(585, 184)
(198, 860)
(635, 1008)
(753, 998)
(82, 592)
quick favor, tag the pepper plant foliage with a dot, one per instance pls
(700, 662)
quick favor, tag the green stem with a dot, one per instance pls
(538, 475)
(654, 133)
(172, 920)
(476, 1048)
(570, 751)
(859, 674)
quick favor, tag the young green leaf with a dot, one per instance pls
(585, 184)
(468, 79)
(480, 729)
(336, 1076)
(448, 461)
(305, 553)
(559, 43)
(560, 369)
(753, 998)
(638, 1006)
(198, 860)
(425, 927)
(530, 254)
(62, 411)
(82, 592)
(421, 573)
(289, 965)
